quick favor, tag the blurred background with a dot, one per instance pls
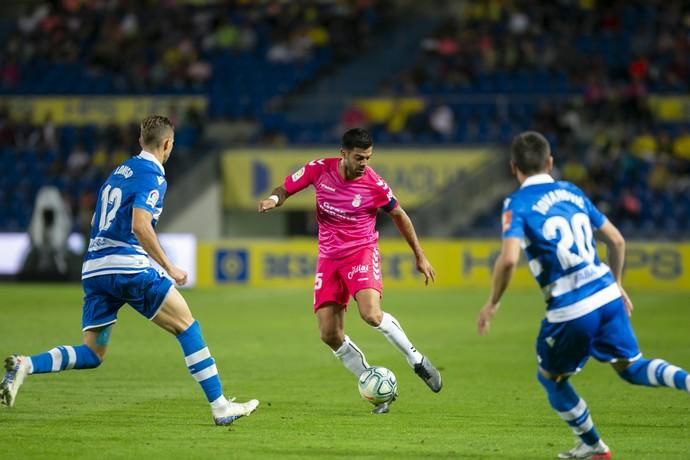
(258, 88)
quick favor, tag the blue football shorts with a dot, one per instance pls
(605, 333)
(104, 295)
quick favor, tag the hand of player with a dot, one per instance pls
(178, 275)
(266, 205)
(626, 301)
(424, 267)
(486, 314)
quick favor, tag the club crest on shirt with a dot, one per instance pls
(357, 200)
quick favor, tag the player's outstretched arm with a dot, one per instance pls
(615, 244)
(503, 273)
(406, 229)
(143, 230)
(277, 198)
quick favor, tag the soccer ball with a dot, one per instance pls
(378, 385)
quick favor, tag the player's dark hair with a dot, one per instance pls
(530, 152)
(154, 129)
(357, 138)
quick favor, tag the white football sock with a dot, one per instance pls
(351, 357)
(394, 333)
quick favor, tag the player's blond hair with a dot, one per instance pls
(154, 129)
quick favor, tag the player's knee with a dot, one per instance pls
(550, 381)
(333, 339)
(90, 357)
(620, 367)
(372, 316)
(181, 325)
(631, 372)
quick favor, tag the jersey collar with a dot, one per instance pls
(150, 157)
(536, 180)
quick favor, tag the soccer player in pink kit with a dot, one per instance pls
(348, 196)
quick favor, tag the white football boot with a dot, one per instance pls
(598, 451)
(17, 369)
(232, 411)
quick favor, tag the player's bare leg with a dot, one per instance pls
(331, 319)
(369, 303)
(175, 317)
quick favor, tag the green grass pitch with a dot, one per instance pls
(142, 403)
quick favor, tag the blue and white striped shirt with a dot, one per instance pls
(555, 222)
(113, 248)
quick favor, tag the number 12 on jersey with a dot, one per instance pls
(109, 196)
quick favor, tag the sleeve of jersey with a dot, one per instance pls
(595, 216)
(384, 199)
(149, 193)
(302, 178)
(512, 222)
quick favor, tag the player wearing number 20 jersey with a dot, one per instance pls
(554, 222)
(587, 308)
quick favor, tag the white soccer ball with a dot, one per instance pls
(378, 385)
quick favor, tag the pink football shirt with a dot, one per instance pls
(345, 209)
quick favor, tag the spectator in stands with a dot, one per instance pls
(78, 161)
(681, 145)
(50, 134)
(442, 120)
(644, 145)
(659, 179)
(7, 128)
(353, 117)
(27, 134)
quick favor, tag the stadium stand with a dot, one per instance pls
(240, 55)
(605, 82)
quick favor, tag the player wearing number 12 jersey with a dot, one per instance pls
(117, 270)
(349, 194)
(587, 309)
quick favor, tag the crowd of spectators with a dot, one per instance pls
(565, 45)
(580, 71)
(638, 174)
(238, 53)
(165, 45)
(75, 159)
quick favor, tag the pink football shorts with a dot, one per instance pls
(338, 279)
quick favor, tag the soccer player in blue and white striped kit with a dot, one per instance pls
(587, 309)
(117, 270)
